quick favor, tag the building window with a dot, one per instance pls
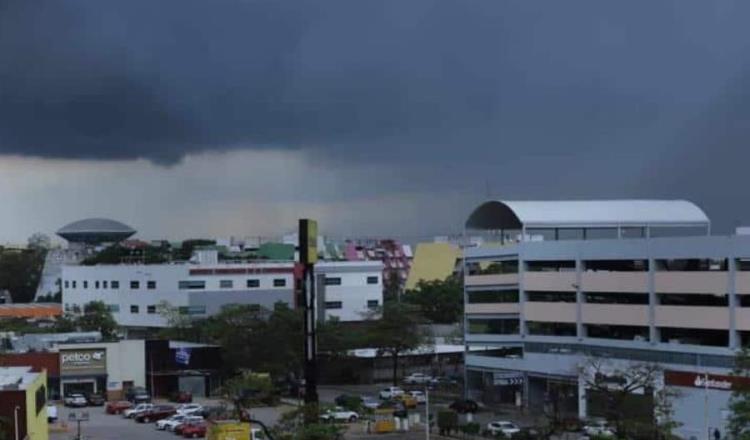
(133, 309)
(492, 296)
(373, 304)
(41, 399)
(333, 305)
(151, 310)
(279, 282)
(151, 285)
(115, 284)
(67, 284)
(333, 281)
(74, 284)
(193, 310)
(372, 280)
(226, 284)
(494, 326)
(96, 284)
(135, 285)
(114, 308)
(104, 284)
(253, 283)
(191, 284)
(85, 284)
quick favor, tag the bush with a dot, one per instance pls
(447, 422)
(471, 428)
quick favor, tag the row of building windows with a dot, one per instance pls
(336, 305)
(136, 309)
(190, 284)
(666, 299)
(336, 281)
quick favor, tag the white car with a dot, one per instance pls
(339, 414)
(390, 393)
(161, 425)
(598, 427)
(189, 408)
(78, 400)
(141, 407)
(370, 402)
(417, 379)
(418, 396)
(186, 419)
(503, 427)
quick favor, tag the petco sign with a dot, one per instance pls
(90, 361)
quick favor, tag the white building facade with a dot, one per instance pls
(557, 284)
(135, 292)
(348, 290)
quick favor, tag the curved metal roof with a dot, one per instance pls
(95, 230)
(501, 214)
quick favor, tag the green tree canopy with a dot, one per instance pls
(438, 301)
(20, 271)
(739, 404)
(97, 317)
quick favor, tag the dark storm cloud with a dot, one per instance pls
(534, 99)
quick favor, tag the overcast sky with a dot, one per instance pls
(191, 117)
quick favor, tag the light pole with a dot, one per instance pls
(15, 420)
(427, 412)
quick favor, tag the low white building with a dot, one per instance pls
(134, 292)
(349, 290)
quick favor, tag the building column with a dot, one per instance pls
(582, 404)
(732, 297)
(653, 332)
(580, 331)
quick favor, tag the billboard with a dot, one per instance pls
(308, 241)
(83, 361)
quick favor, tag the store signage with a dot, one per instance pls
(89, 359)
(702, 380)
(504, 379)
(182, 356)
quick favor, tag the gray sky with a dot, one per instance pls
(190, 117)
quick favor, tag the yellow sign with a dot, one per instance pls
(308, 241)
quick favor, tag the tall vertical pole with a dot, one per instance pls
(308, 255)
(427, 413)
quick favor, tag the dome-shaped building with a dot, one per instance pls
(95, 231)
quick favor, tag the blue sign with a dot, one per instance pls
(182, 356)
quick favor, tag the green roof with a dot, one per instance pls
(276, 251)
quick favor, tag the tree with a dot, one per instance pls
(20, 271)
(39, 241)
(619, 389)
(739, 403)
(97, 317)
(394, 330)
(439, 301)
(391, 287)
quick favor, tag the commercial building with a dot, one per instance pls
(629, 281)
(23, 404)
(134, 292)
(173, 366)
(349, 290)
(433, 262)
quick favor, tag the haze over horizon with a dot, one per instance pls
(191, 118)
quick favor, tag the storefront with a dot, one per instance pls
(83, 370)
(174, 366)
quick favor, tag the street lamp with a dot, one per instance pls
(15, 420)
(78, 417)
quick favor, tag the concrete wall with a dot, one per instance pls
(36, 422)
(354, 292)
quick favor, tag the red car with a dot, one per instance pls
(182, 397)
(189, 421)
(156, 413)
(117, 407)
(194, 430)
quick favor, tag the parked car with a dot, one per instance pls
(76, 400)
(95, 399)
(408, 400)
(598, 427)
(390, 393)
(503, 427)
(158, 412)
(417, 379)
(339, 414)
(137, 395)
(117, 407)
(348, 401)
(51, 413)
(134, 411)
(194, 430)
(370, 402)
(189, 409)
(419, 396)
(189, 420)
(442, 381)
(161, 425)
(464, 406)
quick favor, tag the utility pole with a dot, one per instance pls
(427, 412)
(308, 256)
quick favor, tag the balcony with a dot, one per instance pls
(615, 314)
(493, 308)
(715, 282)
(492, 280)
(625, 282)
(692, 317)
(743, 318)
(742, 283)
(550, 311)
(549, 281)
